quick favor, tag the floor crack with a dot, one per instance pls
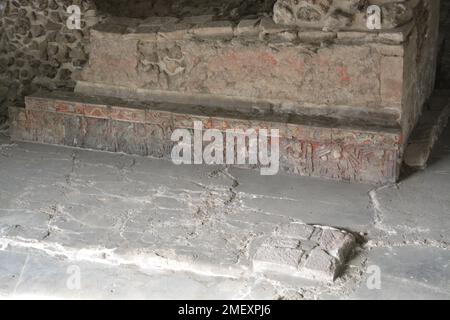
(19, 280)
(378, 218)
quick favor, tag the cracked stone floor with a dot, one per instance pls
(140, 228)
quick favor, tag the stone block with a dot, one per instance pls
(311, 36)
(282, 242)
(174, 31)
(219, 28)
(268, 26)
(320, 266)
(337, 243)
(417, 154)
(247, 27)
(306, 251)
(296, 231)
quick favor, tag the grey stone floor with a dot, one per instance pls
(133, 227)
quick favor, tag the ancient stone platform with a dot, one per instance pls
(290, 65)
(309, 145)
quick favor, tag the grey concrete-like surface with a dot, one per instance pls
(133, 227)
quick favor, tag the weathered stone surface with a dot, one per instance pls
(391, 81)
(280, 72)
(336, 244)
(279, 259)
(296, 231)
(341, 14)
(306, 251)
(300, 72)
(37, 49)
(320, 266)
(337, 96)
(248, 27)
(308, 145)
(257, 61)
(282, 242)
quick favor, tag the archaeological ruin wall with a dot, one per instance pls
(316, 66)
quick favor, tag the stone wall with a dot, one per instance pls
(420, 62)
(37, 50)
(333, 14)
(382, 76)
(254, 60)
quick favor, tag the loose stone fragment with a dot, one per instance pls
(306, 251)
(337, 243)
(320, 266)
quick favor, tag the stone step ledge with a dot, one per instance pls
(118, 109)
(308, 146)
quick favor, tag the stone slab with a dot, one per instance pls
(410, 272)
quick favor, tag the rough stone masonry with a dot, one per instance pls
(38, 51)
(295, 67)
